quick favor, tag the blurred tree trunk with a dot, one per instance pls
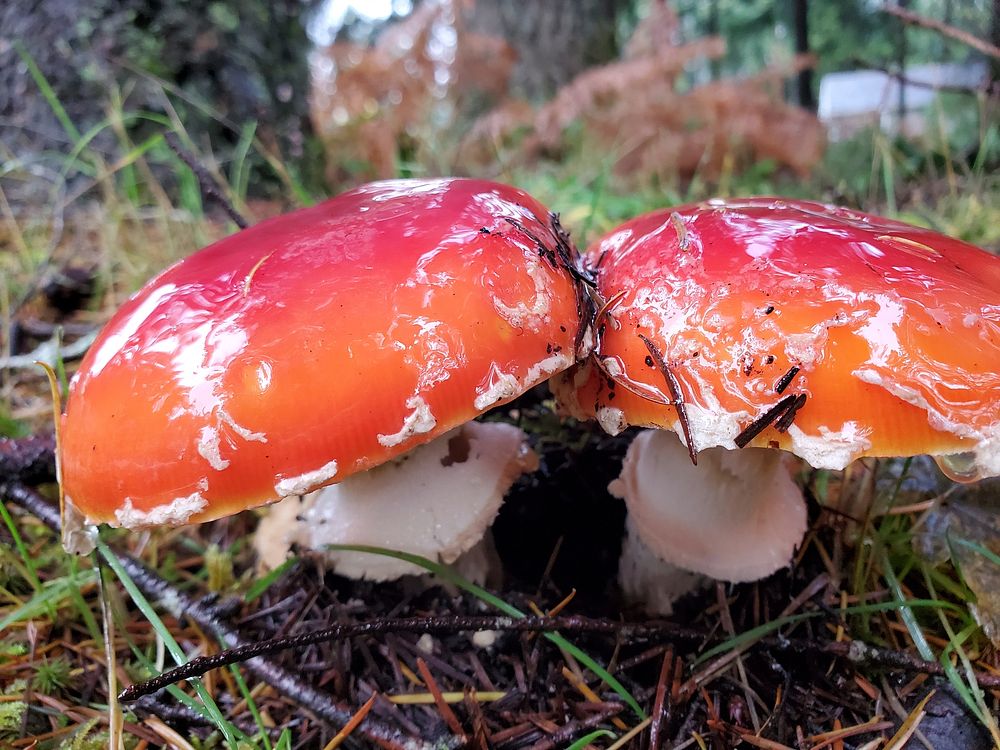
(995, 41)
(715, 64)
(245, 59)
(805, 79)
(554, 39)
(901, 63)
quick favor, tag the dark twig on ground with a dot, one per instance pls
(514, 718)
(209, 187)
(180, 605)
(854, 651)
(30, 460)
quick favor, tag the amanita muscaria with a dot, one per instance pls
(318, 345)
(786, 324)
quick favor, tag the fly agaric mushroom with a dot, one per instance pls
(318, 345)
(790, 324)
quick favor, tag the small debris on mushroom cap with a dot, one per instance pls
(891, 333)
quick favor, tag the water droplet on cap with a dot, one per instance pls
(960, 467)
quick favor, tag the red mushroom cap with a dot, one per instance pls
(886, 336)
(315, 345)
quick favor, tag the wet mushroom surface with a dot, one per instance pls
(558, 535)
(820, 330)
(317, 345)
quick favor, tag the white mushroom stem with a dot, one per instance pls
(436, 501)
(736, 516)
(647, 580)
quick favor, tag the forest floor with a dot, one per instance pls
(865, 641)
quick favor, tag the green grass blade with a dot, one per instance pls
(588, 738)
(26, 558)
(261, 585)
(81, 606)
(970, 691)
(251, 704)
(228, 730)
(51, 593)
(754, 634)
(48, 93)
(905, 609)
(239, 173)
(989, 554)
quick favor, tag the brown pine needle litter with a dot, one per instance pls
(681, 691)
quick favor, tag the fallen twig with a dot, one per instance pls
(181, 605)
(30, 460)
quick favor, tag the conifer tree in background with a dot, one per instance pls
(554, 39)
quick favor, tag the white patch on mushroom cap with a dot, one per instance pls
(79, 533)
(831, 449)
(711, 426)
(736, 516)
(879, 329)
(935, 418)
(435, 501)
(502, 386)
(613, 367)
(612, 420)
(175, 513)
(545, 368)
(243, 432)
(987, 449)
(522, 314)
(209, 445)
(208, 448)
(417, 422)
(988, 454)
(303, 483)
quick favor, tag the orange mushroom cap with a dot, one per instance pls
(884, 336)
(315, 345)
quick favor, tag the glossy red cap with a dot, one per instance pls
(315, 345)
(885, 335)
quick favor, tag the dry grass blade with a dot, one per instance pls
(485, 696)
(829, 739)
(662, 702)
(442, 705)
(351, 725)
(630, 735)
(171, 738)
(590, 695)
(909, 726)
